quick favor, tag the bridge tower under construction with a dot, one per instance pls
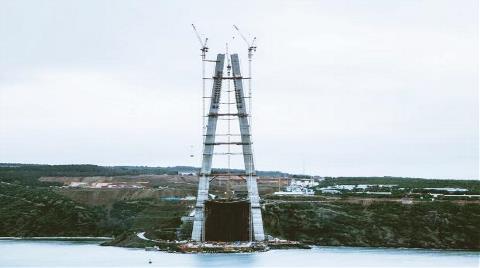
(244, 213)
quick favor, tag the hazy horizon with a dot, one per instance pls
(341, 88)
(261, 170)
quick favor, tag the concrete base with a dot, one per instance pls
(227, 220)
(198, 232)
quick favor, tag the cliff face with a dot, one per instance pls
(379, 224)
(34, 211)
(28, 207)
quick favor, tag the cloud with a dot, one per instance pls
(341, 87)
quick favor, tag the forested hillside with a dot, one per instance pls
(32, 208)
(379, 224)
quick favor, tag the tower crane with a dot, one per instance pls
(251, 45)
(204, 48)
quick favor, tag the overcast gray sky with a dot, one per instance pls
(350, 88)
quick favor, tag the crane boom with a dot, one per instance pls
(251, 45)
(202, 43)
(241, 35)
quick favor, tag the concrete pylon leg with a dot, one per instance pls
(255, 210)
(198, 232)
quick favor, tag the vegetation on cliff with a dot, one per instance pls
(30, 211)
(378, 224)
(36, 211)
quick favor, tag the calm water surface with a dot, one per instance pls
(24, 253)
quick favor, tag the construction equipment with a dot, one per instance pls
(251, 45)
(204, 48)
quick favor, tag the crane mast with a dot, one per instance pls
(204, 50)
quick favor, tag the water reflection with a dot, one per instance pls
(225, 260)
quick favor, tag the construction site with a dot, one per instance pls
(227, 218)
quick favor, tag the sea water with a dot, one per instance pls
(27, 253)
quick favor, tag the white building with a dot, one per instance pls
(304, 182)
(299, 187)
(187, 173)
(77, 184)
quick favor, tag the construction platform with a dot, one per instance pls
(224, 247)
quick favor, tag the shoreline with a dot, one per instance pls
(104, 238)
(313, 246)
(58, 238)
